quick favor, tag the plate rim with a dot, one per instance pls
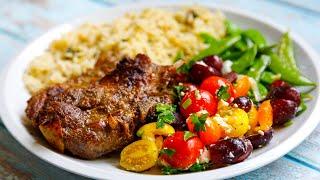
(265, 158)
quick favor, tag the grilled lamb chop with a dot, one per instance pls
(91, 116)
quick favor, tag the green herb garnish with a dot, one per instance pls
(200, 167)
(186, 103)
(223, 93)
(178, 90)
(199, 121)
(165, 114)
(169, 170)
(169, 152)
(187, 135)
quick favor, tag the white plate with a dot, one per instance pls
(14, 96)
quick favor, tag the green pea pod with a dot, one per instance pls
(245, 61)
(302, 107)
(288, 73)
(263, 90)
(285, 52)
(207, 38)
(231, 28)
(216, 48)
(258, 67)
(255, 36)
(244, 44)
(269, 77)
(231, 55)
(180, 55)
(266, 49)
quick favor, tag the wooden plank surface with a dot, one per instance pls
(36, 16)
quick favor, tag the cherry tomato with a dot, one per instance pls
(180, 152)
(213, 85)
(210, 131)
(198, 100)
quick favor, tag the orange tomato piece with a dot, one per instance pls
(264, 116)
(253, 117)
(242, 86)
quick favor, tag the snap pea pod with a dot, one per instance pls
(215, 48)
(244, 44)
(245, 61)
(263, 90)
(231, 28)
(258, 67)
(255, 36)
(179, 55)
(269, 77)
(285, 52)
(302, 107)
(231, 55)
(288, 73)
(207, 38)
(266, 49)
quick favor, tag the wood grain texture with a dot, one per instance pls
(34, 17)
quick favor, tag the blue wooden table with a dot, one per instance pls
(23, 20)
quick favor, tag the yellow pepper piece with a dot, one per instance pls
(253, 118)
(239, 121)
(159, 142)
(139, 155)
(150, 130)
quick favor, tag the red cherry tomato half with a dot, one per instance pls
(183, 152)
(214, 83)
(210, 133)
(198, 100)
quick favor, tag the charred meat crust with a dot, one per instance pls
(91, 116)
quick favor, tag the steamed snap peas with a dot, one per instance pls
(245, 61)
(288, 73)
(231, 28)
(255, 36)
(231, 55)
(215, 48)
(269, 77)
(244, 44)
(258, 67)
(284, 63)
(285, 51)
(262, 90)
(207, 38)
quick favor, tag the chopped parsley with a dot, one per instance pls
(178, 90)
(167, 151)
(167, 170)
(165, 114)
(186, 103)
(223, 93)
(199, 121)
(187, 135)
(200, 167)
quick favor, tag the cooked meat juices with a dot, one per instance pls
(91, 116)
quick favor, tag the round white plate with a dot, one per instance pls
(13, 97)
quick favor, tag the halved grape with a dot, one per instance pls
(230, 151)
